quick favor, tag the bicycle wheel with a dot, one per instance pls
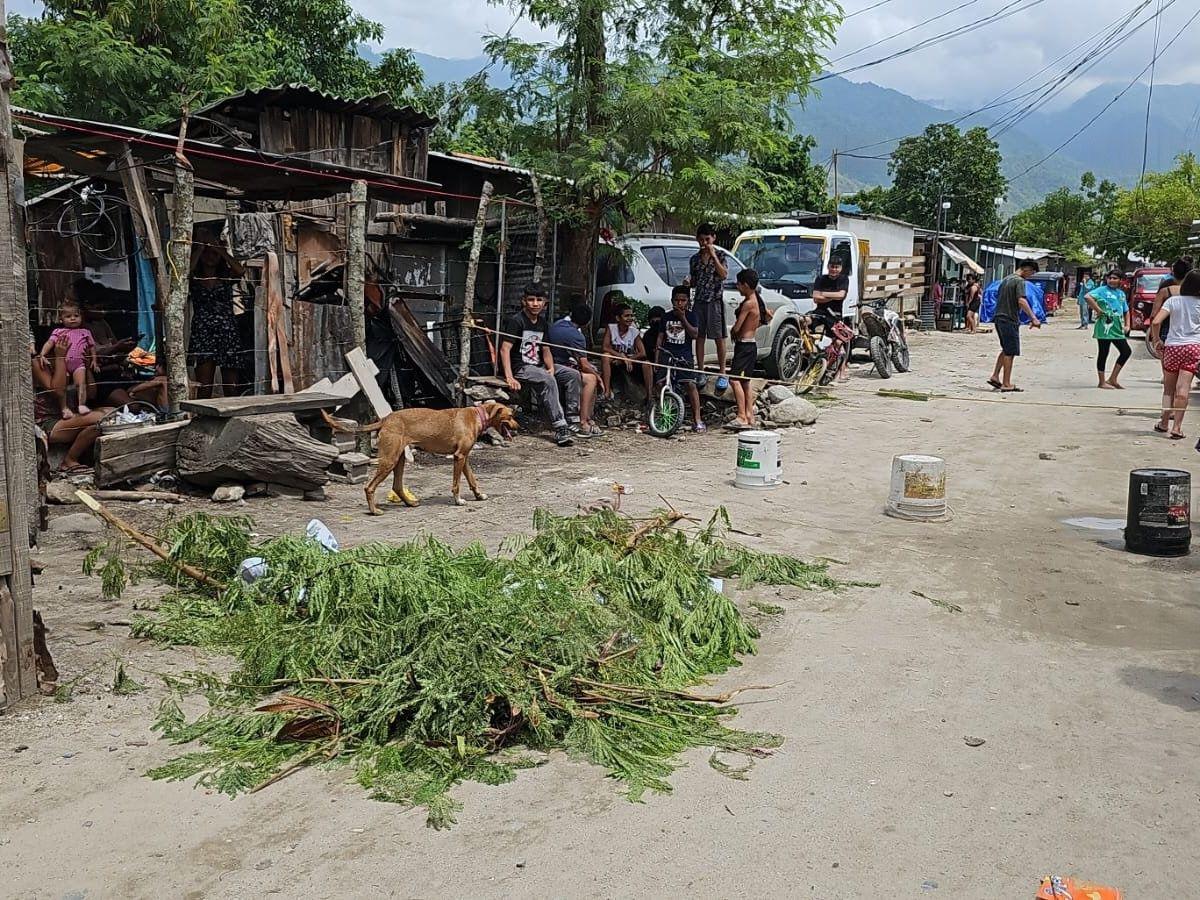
(833, 366)
(666, 415)
(810, 376)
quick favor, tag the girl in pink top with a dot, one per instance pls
(80, 357)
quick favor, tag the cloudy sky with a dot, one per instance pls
(965, 71)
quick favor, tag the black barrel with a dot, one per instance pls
(1158, 518)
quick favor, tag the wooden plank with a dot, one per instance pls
(131, 453)
(346, 387)
(18, 666)
(360, 369)
(424, 355)
(237, 407)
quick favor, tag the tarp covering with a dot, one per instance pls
(961, 258)
(1033, 293)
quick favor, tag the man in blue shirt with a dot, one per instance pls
(568, 346)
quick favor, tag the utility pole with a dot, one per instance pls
(356, 278)
(17, 666)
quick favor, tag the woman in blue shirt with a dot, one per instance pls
(1111, 309)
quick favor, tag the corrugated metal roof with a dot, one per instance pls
(481, 162)
(293, 96)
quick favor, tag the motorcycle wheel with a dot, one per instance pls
(900, 356)
(811, 375)
(879, 356)
(666, 415)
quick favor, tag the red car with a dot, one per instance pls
(1141, 300)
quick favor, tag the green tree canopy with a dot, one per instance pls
(791, 176)
(138, 61)
(1153, 218)
(648, 110)
(945, 164)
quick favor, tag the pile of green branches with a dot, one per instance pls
(422, 665)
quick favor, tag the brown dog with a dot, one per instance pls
(452, 431)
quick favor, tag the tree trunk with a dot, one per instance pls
(464, 336)
(180, 253)
(579, 255)
(272, 447)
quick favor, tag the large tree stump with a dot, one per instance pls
(273, 447)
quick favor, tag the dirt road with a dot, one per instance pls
(1077, 663)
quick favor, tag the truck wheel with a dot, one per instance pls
(785, 358)
(879, 356)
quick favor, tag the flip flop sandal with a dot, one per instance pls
(1160, 429)
(1012, 390)
(1176, 436)
(994, 384)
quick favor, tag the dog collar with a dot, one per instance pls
(483, 419)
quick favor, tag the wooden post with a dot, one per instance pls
(180, 255)
(356, 277)
(16, 417)
(539, 254)
(464, 336)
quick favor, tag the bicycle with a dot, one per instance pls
(812, 364)
(666, 412)
(839, 336)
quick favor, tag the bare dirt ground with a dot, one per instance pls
(1075, 661)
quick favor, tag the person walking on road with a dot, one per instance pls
(1111, 310)
(1010, 303)
(1086, 286)
(1181, 352)
(974, 297)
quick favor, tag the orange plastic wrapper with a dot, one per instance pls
(1055, 888)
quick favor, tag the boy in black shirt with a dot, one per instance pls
(829, 293)
(680, 329)
(525, 359)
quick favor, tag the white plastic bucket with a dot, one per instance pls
(918, 489)
(758, 463)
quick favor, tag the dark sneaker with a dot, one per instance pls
(562, 437)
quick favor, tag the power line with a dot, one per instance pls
(859, 12)
(1110, 103)
(1113, 27)
(892, 37)
(1006, 11)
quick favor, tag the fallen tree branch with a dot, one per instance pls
(144, 541)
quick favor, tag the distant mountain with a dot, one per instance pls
(846, 114)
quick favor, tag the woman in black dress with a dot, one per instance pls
(974, 295)
(215, 338)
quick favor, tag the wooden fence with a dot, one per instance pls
(899, 278)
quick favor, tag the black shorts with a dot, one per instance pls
(973, 306)
(1010, 337)
(745, 358)
(712, 319)
(825, 318)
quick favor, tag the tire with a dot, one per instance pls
(900, 356)
(1151, 350)
(879, 356)
(811, 376)
(785, 359)
(666, 415)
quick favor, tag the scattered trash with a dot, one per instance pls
(1054, 887)
(974, 741)
(717, 584)
(252, 569)
(319, 532)
(1045, 455)
(929, 885)
(947, 793)
(1071, 602)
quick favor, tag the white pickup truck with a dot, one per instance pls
(789, 259)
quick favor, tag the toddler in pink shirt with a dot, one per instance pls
(80, 355)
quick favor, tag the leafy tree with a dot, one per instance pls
(655, 109)
(138, 61)
(947, 164)
(872, 200)
(791, 176)
(1153, 219)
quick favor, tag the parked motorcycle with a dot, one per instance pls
(883, 329)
